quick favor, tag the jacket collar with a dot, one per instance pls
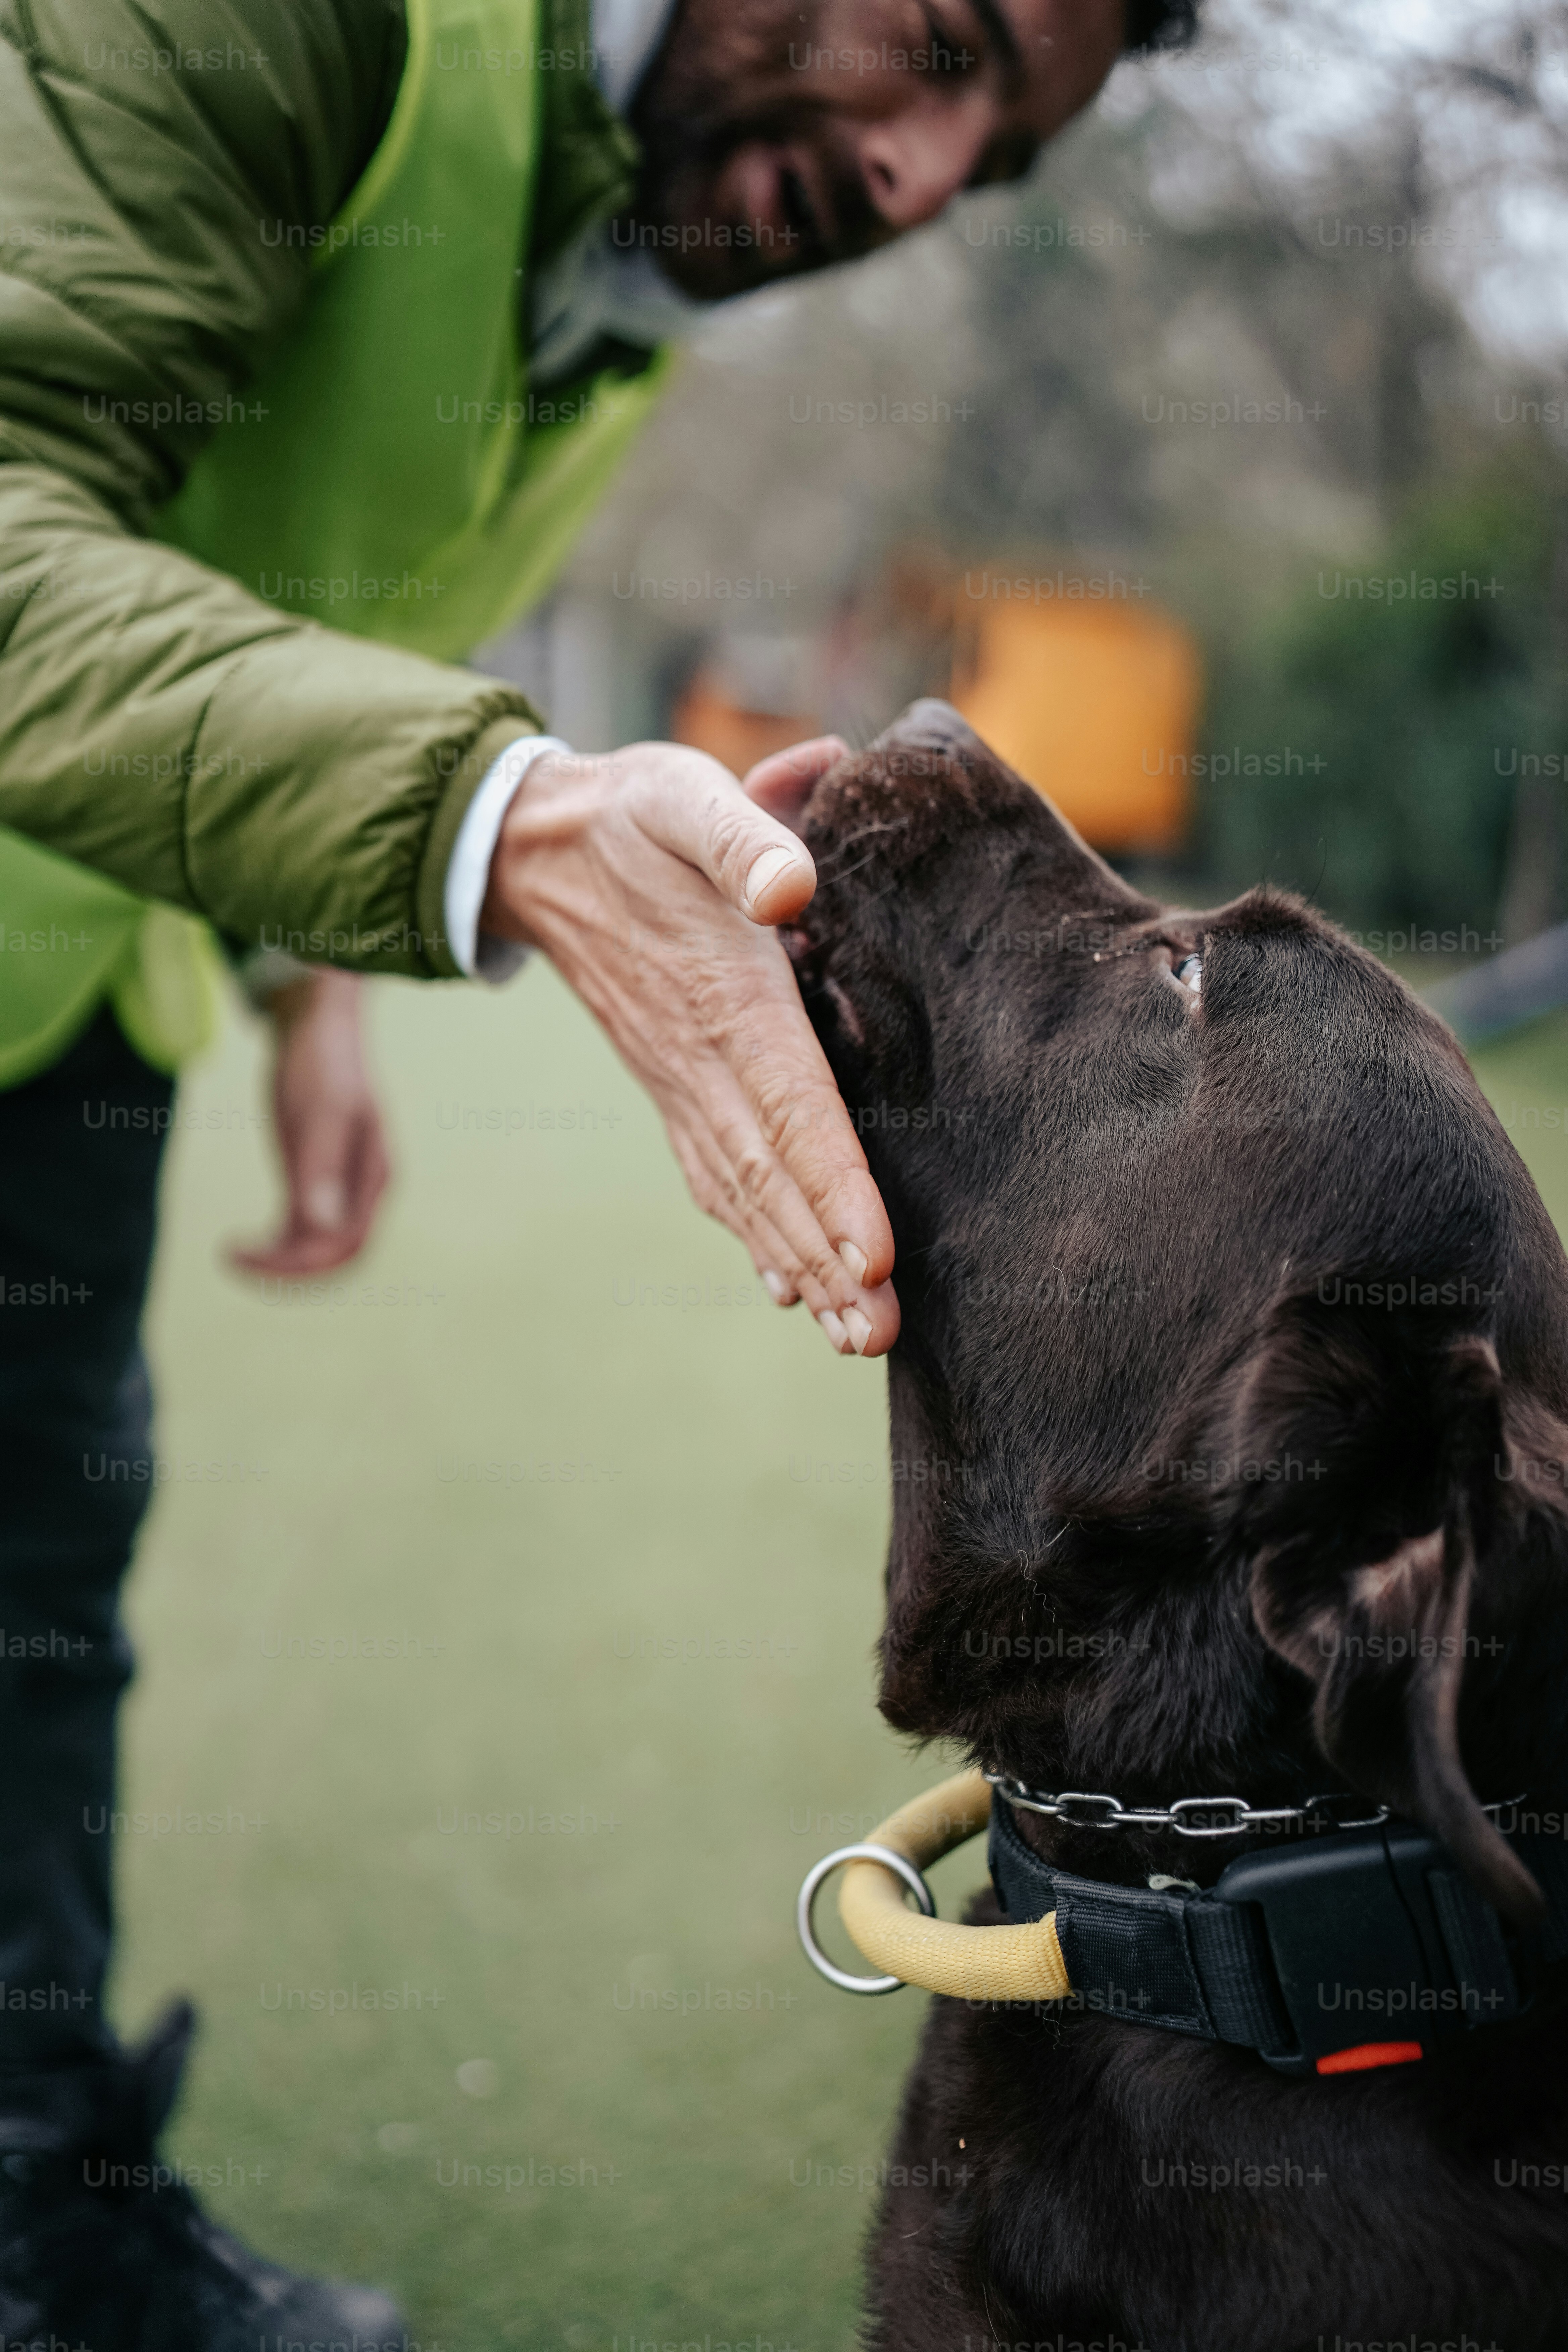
(626, 37)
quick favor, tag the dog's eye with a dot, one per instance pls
(1190, 972)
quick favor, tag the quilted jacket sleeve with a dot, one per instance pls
(158, 722)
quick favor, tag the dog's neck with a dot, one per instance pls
(1059, 1649)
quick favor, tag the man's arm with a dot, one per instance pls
(158, 722)
(302, 789)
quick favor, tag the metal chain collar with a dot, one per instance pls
(1189, 1816)
(1083, 1811)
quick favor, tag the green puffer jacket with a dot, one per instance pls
(134, 284)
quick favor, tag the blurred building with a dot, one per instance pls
(1093, 698)
(1083, 683)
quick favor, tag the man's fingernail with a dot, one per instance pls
(854, 1261)
(858, 1327)
(325, 1206)
(779, 1290)
(835, 1329)
(767, 868)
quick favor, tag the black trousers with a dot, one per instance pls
(79, 1148)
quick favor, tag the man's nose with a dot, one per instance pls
(915, 162)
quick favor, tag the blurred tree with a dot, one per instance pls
(1431, 691)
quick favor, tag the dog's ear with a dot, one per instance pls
(1378, 1429)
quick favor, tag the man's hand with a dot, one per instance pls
(329, 1128)
(652, 882)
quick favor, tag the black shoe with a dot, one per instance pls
(99, 2247)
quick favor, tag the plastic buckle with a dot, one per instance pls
(1357, 1929)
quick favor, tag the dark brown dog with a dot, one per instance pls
(1234, 1363)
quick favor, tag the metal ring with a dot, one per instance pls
(806, 1902)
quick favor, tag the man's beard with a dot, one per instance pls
(685, 119)
(675, 197)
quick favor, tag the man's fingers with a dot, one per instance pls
(867, 1328)
(319, 1173)
(324, 1202)
(736, 1179)
(783, 1074)
(371, 1171)
(708, 819)
(717, 1194)
(335, 1174)
(877, 1311)
(296, 1252)
(784, 783)
(828, 1265)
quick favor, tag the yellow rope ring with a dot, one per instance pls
(1022, 1963)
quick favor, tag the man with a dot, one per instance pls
(321, 328)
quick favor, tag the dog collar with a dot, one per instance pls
(1193, 1817)
(1363, 1947)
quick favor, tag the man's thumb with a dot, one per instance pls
(779, 882)
(753, 859)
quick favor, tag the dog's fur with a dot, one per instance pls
(1161, 1446)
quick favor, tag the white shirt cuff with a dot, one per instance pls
(479, 955)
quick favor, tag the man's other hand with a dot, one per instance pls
(653, 883)
(329, 1128)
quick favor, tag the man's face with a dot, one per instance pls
(778, 138)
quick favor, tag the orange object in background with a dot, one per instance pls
(709, 721)
(1094, 703)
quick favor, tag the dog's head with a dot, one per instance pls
(1230, 1413)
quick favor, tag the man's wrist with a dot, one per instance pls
(311, 991)
(268, 975)
(479, 954)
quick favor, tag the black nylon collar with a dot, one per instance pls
(1158, 1957)
(1369, 1938)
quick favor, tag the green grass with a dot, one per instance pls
(697, 1436)
(659, 1477)
(1526, 1080)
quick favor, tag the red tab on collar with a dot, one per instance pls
(1367, 2054)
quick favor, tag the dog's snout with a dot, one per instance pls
(930, 725)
